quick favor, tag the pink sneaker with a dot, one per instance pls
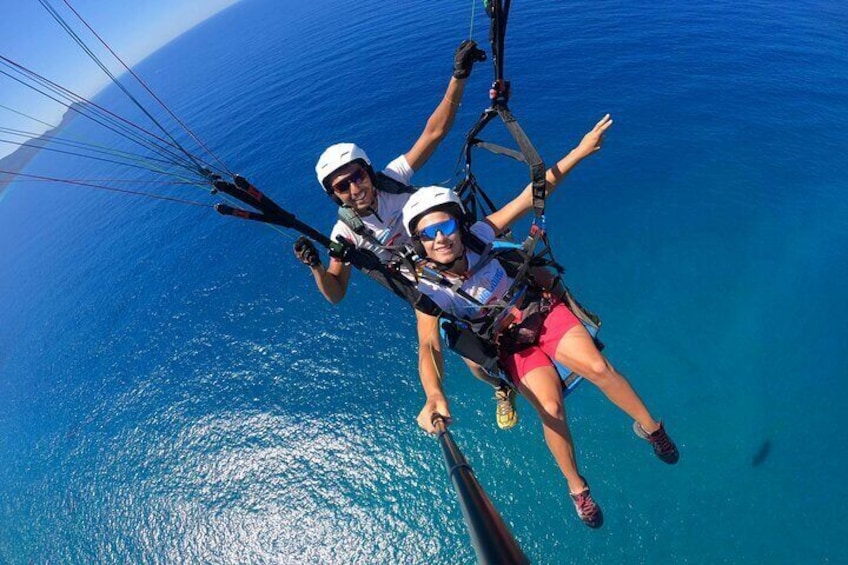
(587, 509)
(664, 448)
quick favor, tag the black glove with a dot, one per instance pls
(466, 55)
(306, 252)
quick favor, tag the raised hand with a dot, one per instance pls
(592, 141)
(466, 55)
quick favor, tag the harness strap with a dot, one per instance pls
(486, 255)
(352, 220)
(434, 276)
(531, 157)
(500, 150)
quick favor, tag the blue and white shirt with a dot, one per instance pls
(488, 285)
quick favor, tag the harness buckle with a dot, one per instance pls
(536, 229)
(499, 92)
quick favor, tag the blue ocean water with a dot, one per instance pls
(173, 389)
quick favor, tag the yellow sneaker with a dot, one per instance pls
(505, 413)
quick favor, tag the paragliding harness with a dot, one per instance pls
(515, 320)
(537, 285)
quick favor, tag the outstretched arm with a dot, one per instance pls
(332, 281)
(523, 203)
(430, 369)
(441, 119)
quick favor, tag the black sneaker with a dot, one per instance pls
(587, 509)
(664, 448)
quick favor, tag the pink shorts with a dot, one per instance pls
(541, 354)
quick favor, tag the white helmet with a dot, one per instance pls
(428, 199)
(337, 156)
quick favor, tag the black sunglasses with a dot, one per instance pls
(343, 186)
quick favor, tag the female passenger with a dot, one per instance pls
(433, 217)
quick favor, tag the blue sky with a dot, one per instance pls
(133, 28)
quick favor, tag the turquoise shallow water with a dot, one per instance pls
(173, 389)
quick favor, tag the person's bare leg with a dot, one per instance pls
(543, 389)
(576, 350)
(481, 374)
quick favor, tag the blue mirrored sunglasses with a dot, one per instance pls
(448, 227)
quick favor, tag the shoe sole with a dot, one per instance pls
(508, 424)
